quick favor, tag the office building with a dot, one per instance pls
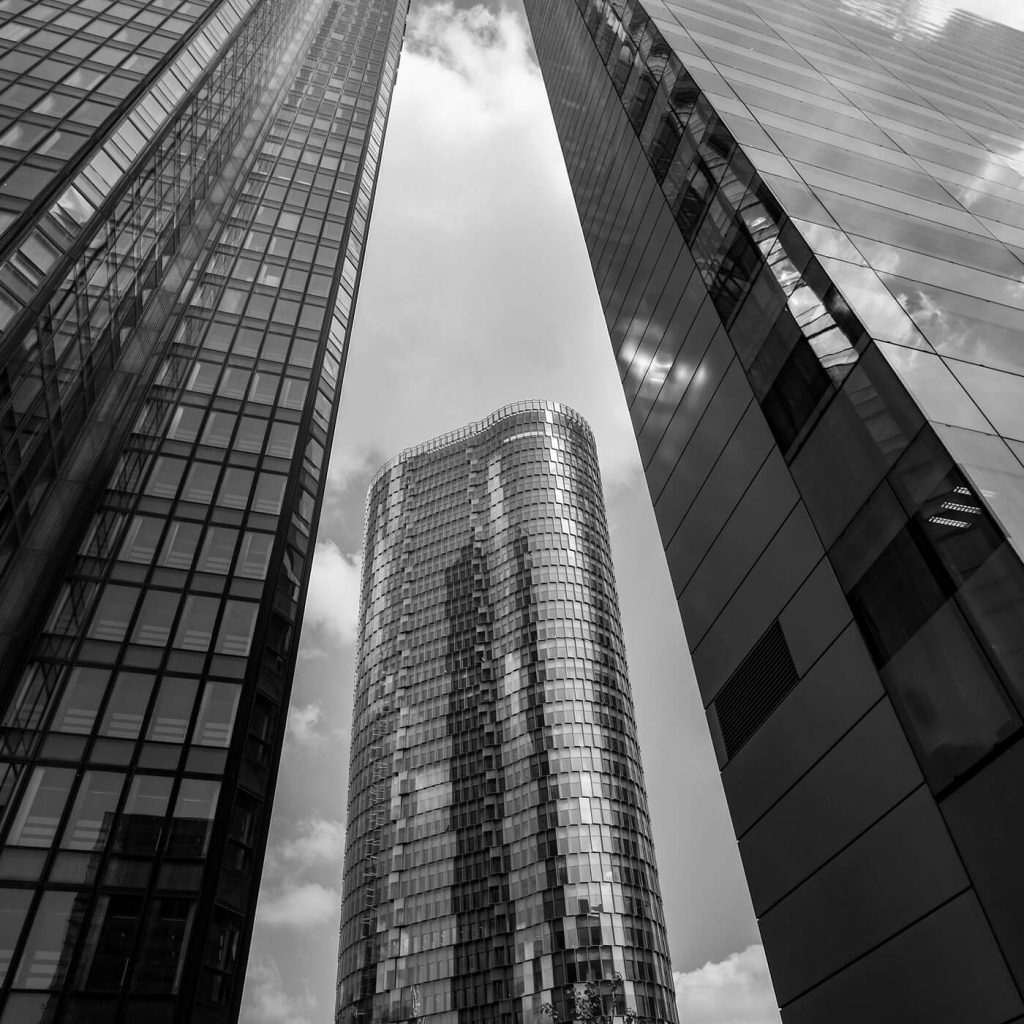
(806, 222)
(498, 848)
(184, 192)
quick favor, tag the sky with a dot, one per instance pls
(477, 291)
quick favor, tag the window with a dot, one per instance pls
(141, 822)
(193, 817)
(46, 954)
(234, 382)
(254, 557)
(180, 545)
(173, 710)
(219, 427)
(12, 915)
(166, 475)
(269, 493)
(235, 488)
(127, 706)
(113, 613)
(109, 942)
(93, 812)
(250, 434)
(282, 440)
(264, 388)
(218, 550)
(156, 616)
(164, 937)
(141, 540)
(81, 701)
(201, 482)
(41, 807)
(236, 628)
(217, 714)
(185, 423)
(195, 630)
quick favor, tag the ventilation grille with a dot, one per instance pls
(755, 689)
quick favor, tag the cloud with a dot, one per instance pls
(736, 991)
(303, 720)
(267, 1002)
(470, 304)
(320, 841)
(332, 604)
(300, 905)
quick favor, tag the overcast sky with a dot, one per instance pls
(477, 291)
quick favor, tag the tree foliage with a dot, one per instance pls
(587, 1005)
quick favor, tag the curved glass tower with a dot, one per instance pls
(499, 849)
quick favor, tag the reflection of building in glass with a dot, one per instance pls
(498, 848)
(806, 221)
(184, 197)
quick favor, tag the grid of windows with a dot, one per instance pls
(498, 849)
(139, 746)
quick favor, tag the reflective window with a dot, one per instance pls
(42, 805)
(127, 705)
(92, 814)
(172, 711)
(43, 960)
(217, 714)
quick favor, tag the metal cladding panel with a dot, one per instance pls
(825, 433)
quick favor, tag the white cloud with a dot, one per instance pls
(303, 720)
(738, 990)
(320, 841)
(476, 289)
(267, 1002)
(300, 905)
(332, 604)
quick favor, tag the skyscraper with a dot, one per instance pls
(498, 848)
(185, 192)
(806, 221)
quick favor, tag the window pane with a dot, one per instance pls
(93, 812)
(167, 928)
(234, 382)
(141, 540)
(156, 616)
(282, 440)
(236, 628)
(173, 710)
(201, 482)
(255, 555)
(110, 622)
(109, 942)
(185, 423)
(81, 701)
(250, 434)
(13, 909)
(193, 817)
(127, 706)
(217, 714)
(37, 819)
(195, 630)
(218, 550)
(180, 546)
(234, 490)
(142, 820)
(166, 475)
(219, 428)
(269, 493)
(45, 957)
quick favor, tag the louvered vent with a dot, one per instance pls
(755, 689)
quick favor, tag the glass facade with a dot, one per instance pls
(498, 850)
(184, 195)
(805, 222)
